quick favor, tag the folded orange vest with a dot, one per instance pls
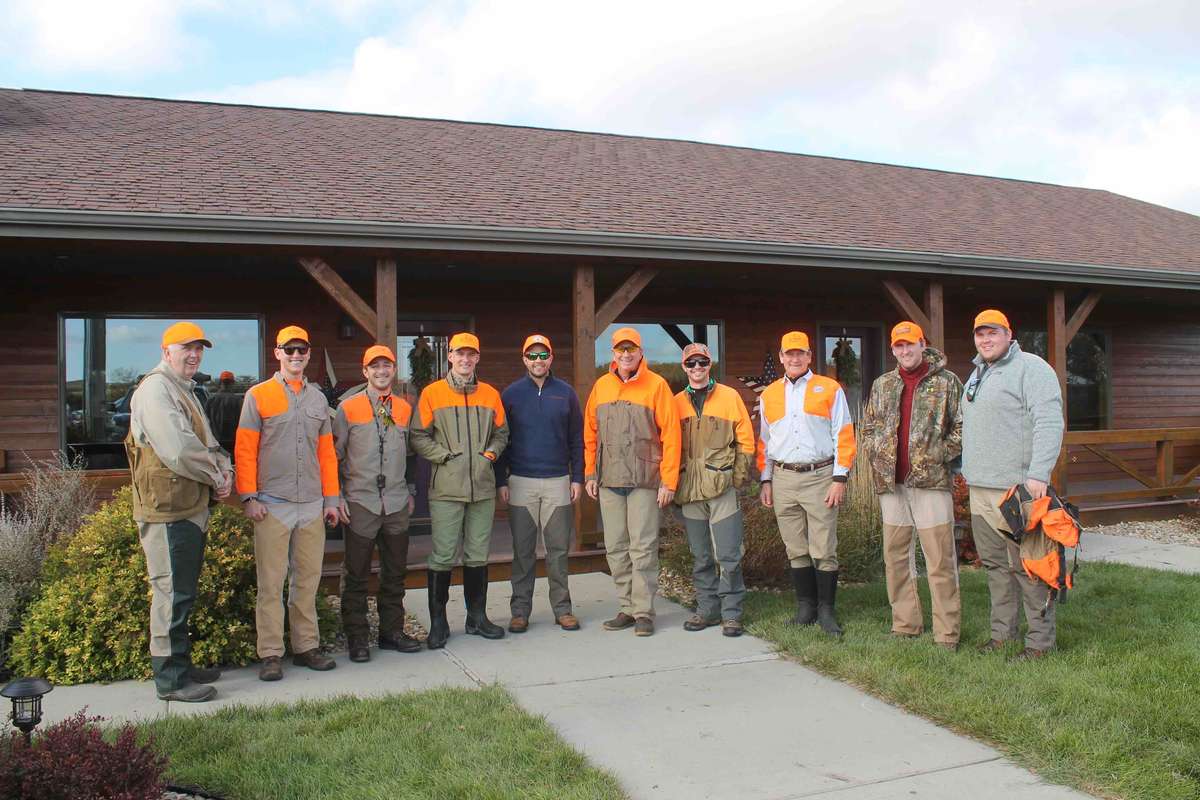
(1044, 528)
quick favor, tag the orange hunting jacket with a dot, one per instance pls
(284, 444)
(715, 444)
(631, 432)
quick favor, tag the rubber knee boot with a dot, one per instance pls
(439, 595)
(804, 579)
(475, 584)
(826, 591)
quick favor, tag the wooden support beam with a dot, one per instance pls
(341, 293)
(905, 304)
(623, 296)
(935, 332)
(1081, 314)
(1165, 463)
(385, 302)
(1056, 349)
(583, 356)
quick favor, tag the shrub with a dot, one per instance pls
(91, 621)
(73, 759)
(49, 510)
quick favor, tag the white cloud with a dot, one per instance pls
(117, 36)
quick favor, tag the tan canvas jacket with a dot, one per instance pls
(369, 448)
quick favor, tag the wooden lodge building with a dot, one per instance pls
(120, 214)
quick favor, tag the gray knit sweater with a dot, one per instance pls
(1013, 429)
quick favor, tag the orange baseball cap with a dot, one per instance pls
(291, 333)
(794, 340)
(378, 351)
(533, 339)
(991, 318)
(226, 375)
(461, 340)
(695, 348)
(184, 333)
(626, 335)
(907, 332)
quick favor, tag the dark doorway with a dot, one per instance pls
(850, 354)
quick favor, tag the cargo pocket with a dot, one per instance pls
(169, 493)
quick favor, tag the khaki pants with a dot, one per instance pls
(391, 532)
(467, 524)
(714, 531)
(807, 525)
(631, 525)
(540, 505)
(1008, 585)
(931, 513)
(295, 553)
(174, 555)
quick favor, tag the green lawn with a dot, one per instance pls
(1116, 712)
(442, 743)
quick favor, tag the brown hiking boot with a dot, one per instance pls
(698, 623)
(619, 623)
(643, 626)
(518, 624)
(1030, 654)
(359, 652)
(271, 669)
(731, 627)
(992, 646)
(951, 646)
(567, 622)
(314, 659)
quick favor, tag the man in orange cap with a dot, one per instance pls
(805, 452)
(223, 409)
(717, 440)
(461, 429)
(540, 477)
(177, 469)
(376, 469)
(914, 425)
(1012, 434)
(631, 464)
(287, 477)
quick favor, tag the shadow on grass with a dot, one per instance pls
(1116, 711)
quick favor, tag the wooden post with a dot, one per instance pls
(1165, 462)
(341, 293)
(583, 356)
(385, 302)
(935, 334)
(1056, 349)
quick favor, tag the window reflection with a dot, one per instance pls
(662, 347)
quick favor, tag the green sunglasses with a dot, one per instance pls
(538, 356)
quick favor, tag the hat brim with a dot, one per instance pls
(204, 342)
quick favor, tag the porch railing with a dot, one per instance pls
(1162, 485)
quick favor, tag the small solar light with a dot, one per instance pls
(26, 695)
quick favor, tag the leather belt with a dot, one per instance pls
(805, 467)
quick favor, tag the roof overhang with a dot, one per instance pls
(275, 231)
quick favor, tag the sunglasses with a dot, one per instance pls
(626, 348)
(692, 363)
(538, 356)
(293, 349)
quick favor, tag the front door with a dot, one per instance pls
(850, 354)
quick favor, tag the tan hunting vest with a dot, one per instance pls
(160, 495)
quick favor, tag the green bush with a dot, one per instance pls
(91, 620)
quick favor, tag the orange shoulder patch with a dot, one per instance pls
(357, 409)
(270, 398)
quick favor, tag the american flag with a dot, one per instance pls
(756, 383)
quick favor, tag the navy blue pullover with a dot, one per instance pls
(545, 431)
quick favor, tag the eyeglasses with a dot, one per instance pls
(294, 349)
(692, 363)
(626, 348)
(537, 356)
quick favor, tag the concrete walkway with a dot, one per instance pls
(678, 715)
(1140, 553)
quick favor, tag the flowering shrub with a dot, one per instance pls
(73, 759)
(91, 621)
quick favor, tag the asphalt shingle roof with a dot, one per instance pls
(104, 153)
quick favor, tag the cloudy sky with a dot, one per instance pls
(1082, 92)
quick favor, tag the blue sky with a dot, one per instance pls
(1083, 92)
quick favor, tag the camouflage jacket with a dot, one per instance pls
(934, 431)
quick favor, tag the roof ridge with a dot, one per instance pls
(643, 137)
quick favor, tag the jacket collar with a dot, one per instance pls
(184, 384)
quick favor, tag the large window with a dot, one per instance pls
(1088, 384)
(662, 347)
(103, 355)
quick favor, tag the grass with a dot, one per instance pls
(441, 743)
(1115, 712)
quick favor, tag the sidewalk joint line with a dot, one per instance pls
(893, 778)
(732, 662)
(458, 662)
